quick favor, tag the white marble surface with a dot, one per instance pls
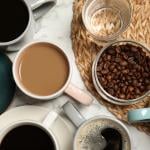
(55, 27)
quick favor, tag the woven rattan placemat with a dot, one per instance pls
(85, 50)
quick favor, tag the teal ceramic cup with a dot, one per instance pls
(7, 84)
(139, 115)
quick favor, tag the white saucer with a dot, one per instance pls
(37, 114)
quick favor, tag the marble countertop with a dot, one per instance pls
(55, 27)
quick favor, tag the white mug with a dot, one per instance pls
(68, 88)
(47, 126)
(36, 9)
(79, 121)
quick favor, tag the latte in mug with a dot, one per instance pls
(42, 69)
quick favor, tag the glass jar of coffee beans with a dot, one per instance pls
(121, 72)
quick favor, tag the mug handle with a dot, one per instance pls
(50, 118)
(78, 94)
(73, 114)
(41, 7)
(139, 115)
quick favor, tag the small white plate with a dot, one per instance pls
(62, 127)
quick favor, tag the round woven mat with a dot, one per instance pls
(85, 50)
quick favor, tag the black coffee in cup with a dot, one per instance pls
(27, 137)
(102, 134)
(14, 17)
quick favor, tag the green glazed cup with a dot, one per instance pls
(7, 84)
(139, 115)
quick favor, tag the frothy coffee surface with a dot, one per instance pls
(91, 136)
(43, 69)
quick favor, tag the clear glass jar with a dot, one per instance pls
(105, 20)
(102, 92)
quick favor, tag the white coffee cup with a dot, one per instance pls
(75, 116)
(47, 126)
(68, 88)
(36, 9)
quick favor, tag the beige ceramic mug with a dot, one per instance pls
(67, 88)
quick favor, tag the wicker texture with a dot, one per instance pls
(85, 49)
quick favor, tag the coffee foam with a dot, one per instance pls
(89, 135)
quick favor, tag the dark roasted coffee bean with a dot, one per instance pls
(111, 91)
(146, 68)
(110, 85)
(109, 77)
(128, 96)
(115, 70)
(118, 49)
(103, 81)
(116, 87)
(125, 56)
(112, 67)
(138, 75)
(111, 52)
(119, 68)
(117, 60)
(108, 57)
(142, 88)
(103, 55)
(124, 89)
(131, 60)
(106, 65)
(126, 83)
(128, 78)
(148, 87)
(123, 63)
(135, 82)
(122, 96)
(137, 91)
(147, 81)
(105, 71)
(130, 88)
(126, 71)
(123, 78)
(134, 49)
(145, 75)
(121, 84)
(130, 73)
(129, 81)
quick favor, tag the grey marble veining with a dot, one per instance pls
(56, 27)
